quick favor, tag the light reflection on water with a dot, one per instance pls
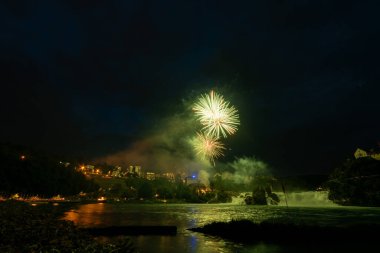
(192, 215)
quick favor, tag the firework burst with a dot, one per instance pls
(217, 116)
(208, 146)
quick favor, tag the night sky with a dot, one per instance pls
(90, 78)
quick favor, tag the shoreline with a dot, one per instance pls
(248, 232)
(27, 228)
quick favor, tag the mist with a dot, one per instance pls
(243, 170)
(167, 147)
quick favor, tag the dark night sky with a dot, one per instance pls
(91, 77)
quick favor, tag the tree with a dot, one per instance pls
(145, 190)
(356, 182)
(32, 173)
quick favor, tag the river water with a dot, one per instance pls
(186, 216)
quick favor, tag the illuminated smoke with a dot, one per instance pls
(246, 169)
(167, 147)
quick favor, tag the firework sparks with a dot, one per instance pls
(208, 146)
(216, 115)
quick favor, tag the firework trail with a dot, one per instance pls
(217, 116)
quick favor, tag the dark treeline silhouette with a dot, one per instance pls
(300, 182)
(135, 188)
(28, 172)
(356, 182)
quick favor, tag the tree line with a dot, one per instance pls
(28, 172)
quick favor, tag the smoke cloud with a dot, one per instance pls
(245, 169)
(167, 148)
(203, 177)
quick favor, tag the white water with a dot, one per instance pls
(308, 198)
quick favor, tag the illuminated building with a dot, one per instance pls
(359, 153)
(169, 176)
(90, 168)
(135, 170)
(150, 176)
(191, 180)
(117, 172)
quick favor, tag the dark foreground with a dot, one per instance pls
(245, 231)
(132, 230)
(26, 228)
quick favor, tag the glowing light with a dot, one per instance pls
(57, 198)
(15, 196)
(102, 199)
(216, 115)
(208, 146)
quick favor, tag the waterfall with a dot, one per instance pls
(307, 198)
(239, 200)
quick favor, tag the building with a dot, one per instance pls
(191, 180)
(86, 169)
(150, 176)
(359, 153)
(117, 172)
(134, 170)
(169, 176)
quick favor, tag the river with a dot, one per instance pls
(192, 215)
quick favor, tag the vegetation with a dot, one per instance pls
(160, 189)
(25, 228)
(356, 182)
(31, 173)
(249, 232)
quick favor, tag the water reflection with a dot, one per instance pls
(88, 215)
(189, 215)
(262, 248)
(193, 242)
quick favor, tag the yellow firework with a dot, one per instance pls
(208, 146)
(216, 115)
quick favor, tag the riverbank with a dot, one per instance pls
(28, 228)
(246, 231)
